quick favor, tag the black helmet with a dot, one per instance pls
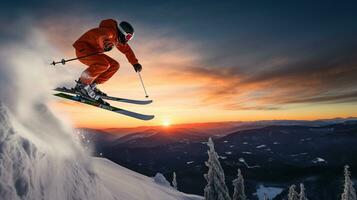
(125, 32)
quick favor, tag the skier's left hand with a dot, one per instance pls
(108, 45)
(137, 67)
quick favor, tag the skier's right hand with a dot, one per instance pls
(108, 46)
(137, 67)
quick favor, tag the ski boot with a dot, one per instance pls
(86, 91)
(96, 90)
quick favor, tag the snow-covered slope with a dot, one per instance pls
(32, 169)
(37, 171)
(126, 184)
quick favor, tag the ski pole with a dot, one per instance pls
(142, 83)
(63, 61)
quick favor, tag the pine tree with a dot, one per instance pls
(349, 192)
(238, 183)
(174, 182)
(302, 192)
(216, 188)
(265, 196)
(293, 195)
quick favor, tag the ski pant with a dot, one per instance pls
(101, 67)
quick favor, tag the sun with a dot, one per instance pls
(166, 123)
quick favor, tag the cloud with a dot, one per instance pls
(334, 98)
(323, 77)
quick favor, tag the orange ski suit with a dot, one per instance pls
(101, 67)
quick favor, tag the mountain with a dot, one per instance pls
(147, 137)
(41, 159)
(141, 137)
(271, 157)
(295, 145)
(153, 136)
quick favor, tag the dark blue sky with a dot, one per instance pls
(229, 19)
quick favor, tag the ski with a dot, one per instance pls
(132, 101)
(128, 113)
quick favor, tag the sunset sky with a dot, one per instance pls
(206, 61)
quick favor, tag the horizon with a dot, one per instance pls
(212, 123)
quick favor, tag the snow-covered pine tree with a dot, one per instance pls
(174, 182)
(238, 183)
(293, 195)
(216, 188)
(265, 196)
(349, 192)
(302, 195)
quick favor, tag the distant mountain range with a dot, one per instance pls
(150, 136)
(270, 153)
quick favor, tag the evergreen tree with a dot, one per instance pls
(349, 192)
(216, 188)
(293, 195)
(302, 192)
(265, 196)
(174, 182)
(238, 184)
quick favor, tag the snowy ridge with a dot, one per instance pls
(30, 172)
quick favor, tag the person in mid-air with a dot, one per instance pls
(100, 66)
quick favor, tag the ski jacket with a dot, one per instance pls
(106, 32)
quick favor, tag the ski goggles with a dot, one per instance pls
(128, 36)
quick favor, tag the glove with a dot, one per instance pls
(137, 67)
(108, 45)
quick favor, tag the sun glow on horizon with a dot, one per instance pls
(166, 123)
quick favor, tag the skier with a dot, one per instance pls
(100, 66)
